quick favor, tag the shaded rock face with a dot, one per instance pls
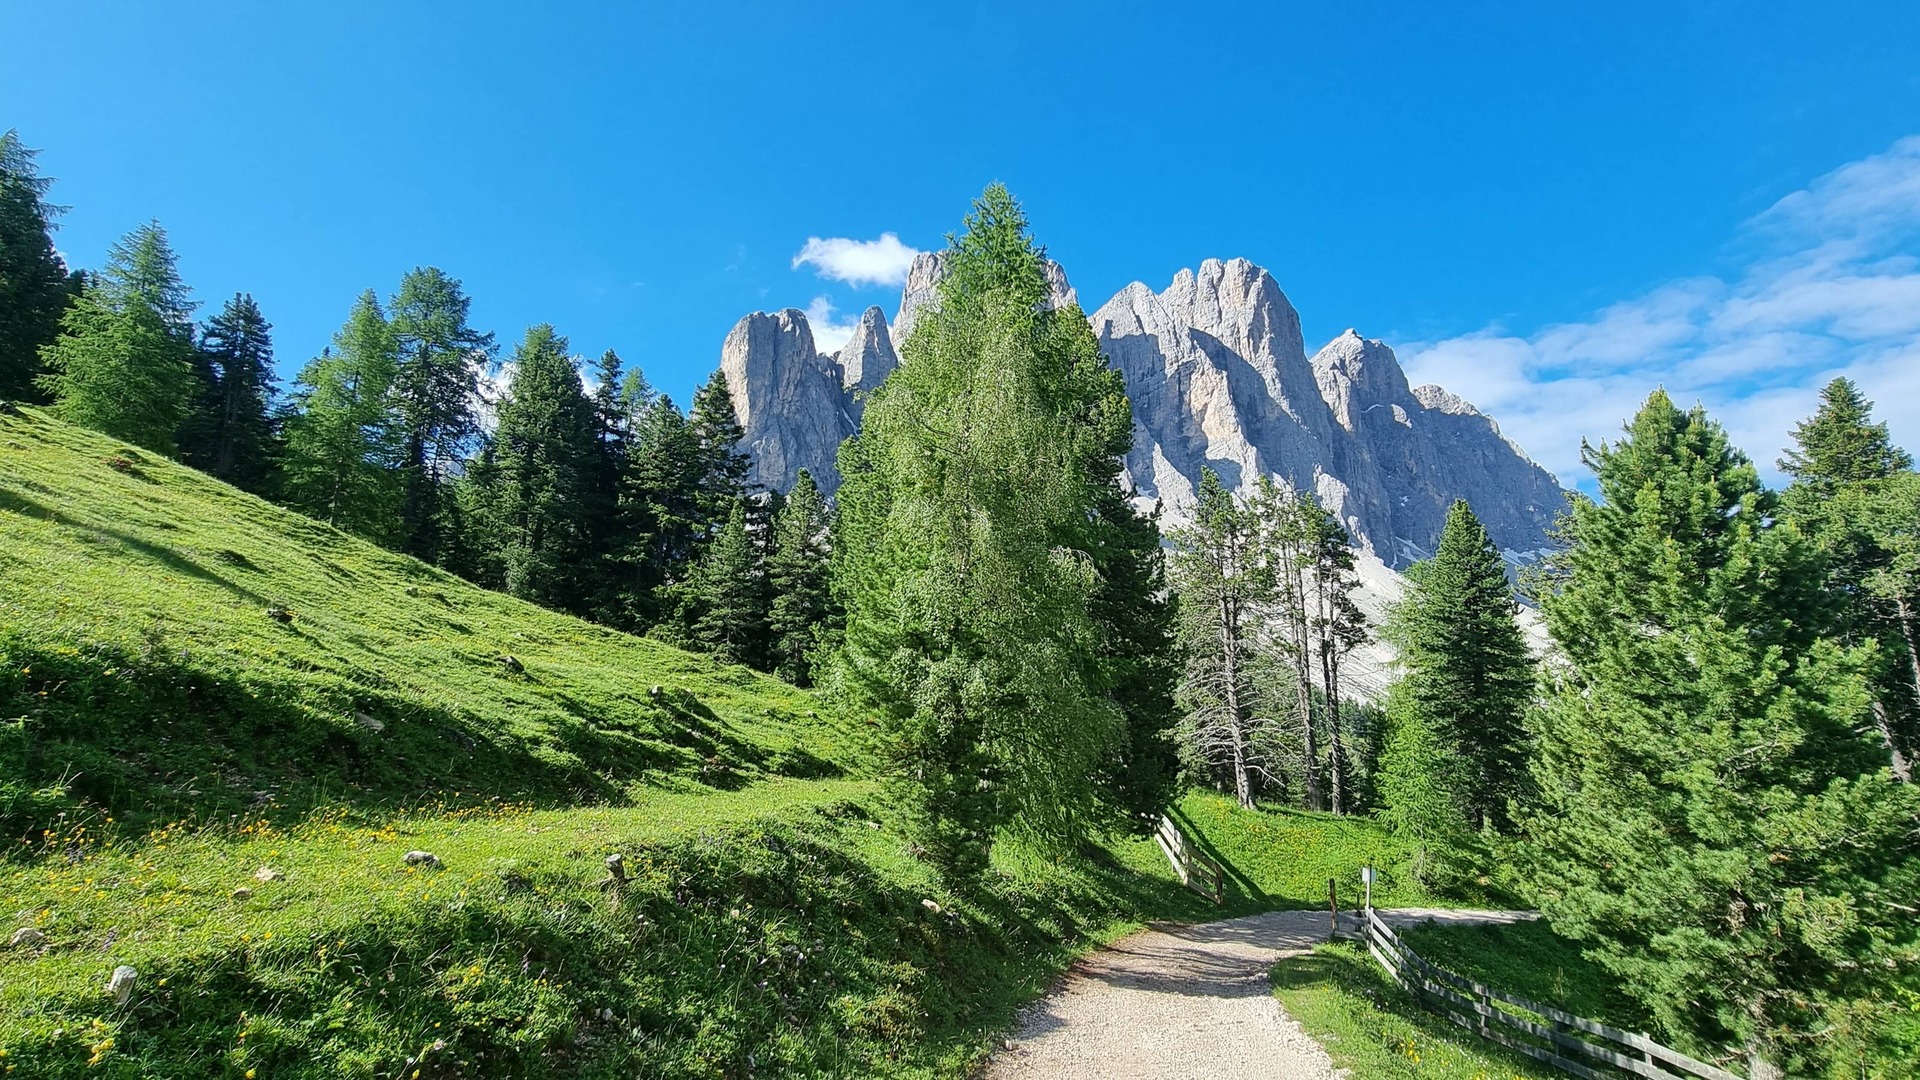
(1219, 377)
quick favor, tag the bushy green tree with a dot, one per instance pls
(123, 361)
(797, 579)
(1857, 495)
(723, 465)
(436, 389)
(1466, 673)
(660, 511)
(1137, 646)
(34, 286)
(343, 442)
(1424, 787)
(963, 560)
(724, 599)
(231, 432)
(545, 475)
(1711, 819)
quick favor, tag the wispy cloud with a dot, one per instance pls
(858, 262)
(829, 331)
(1830, 286)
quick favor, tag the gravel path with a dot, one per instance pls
(1180, 1002)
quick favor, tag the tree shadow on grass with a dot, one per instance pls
(13, 501)
(1243, 893)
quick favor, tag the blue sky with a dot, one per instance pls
(1546, 211)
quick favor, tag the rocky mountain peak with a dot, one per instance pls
(866, 359)
(787, 396)
(1357, 374)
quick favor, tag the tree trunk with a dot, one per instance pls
(1236, 717)
(1903, 613)
(1760, 1063)
(1336, 768)
(1882, 719)
(1296, 600)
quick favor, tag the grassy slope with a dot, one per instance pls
(1371, 1026)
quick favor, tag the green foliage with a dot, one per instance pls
(1467, 681)
(660, 508)
(122, 363)
(342, 445)
(722, 465)
(1424, 790)
(962, 556)
(1840, 444)
(797, 578)
(724, 602)
(436, 382)
(1712, 822)
(545, 478)
(1139, 656)
(231, 433)
(34, 290)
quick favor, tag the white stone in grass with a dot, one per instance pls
(266, 874)
(242, 893)
(422, 858)
(26, 938)
(121, 984)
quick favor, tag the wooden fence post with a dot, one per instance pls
(1333, 913)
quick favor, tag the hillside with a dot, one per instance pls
(223, 726)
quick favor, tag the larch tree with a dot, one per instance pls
(1710, 819)
(123, 361)
(797, 580)
(1466, 674)
(343, 442)
(231, 432)
(545, 476)
(34, 285)
(962, 559)
(436, 388)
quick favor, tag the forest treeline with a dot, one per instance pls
(1702, 773)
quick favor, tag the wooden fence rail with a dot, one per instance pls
(1197, 872)
(1570, 1043)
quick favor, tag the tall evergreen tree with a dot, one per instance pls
(1856, 494)
(1710, 820)
(961, 556)
(343, 444)
(547, 458)
(435, 389)
(662, 521)
(725, 599)
(231, 431)
(723, 465)
(1336, 624)
(1467, 675)
(1424, 786)
(123, 361)
(34, 286)
(797, 579)
(1139, 657)
(616, 392)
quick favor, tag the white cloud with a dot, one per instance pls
(858, 262)
(1832, 287)
(829, 333)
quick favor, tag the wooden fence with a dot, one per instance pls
(1197, 872)
(1570, 1043)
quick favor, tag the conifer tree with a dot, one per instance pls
(1856, 494)
(343, 444)
(1710, 819)
(723, 465)
(1336, 625)
(546, 470)
(661, 512)
(123, 361)
(1467, 676)
(231, 432)
(34, 286)
(435, 389)
(1137, 645)
(797, 578)
(962, 556)
(1423, 786)
(724, 600)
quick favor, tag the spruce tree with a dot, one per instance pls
(1466, 673)
(435, 389)
(1840, 444)
(123, 361)
(34, 286)
(962, 557)
(1710, 819)
(797, 579)
(1140, 661)
(1424, 787)
(546, 458)
(616, 393)
(231, 431)
(723, 465)
(725, 599)
(661, 512)
(343, 442)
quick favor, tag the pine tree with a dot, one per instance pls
(1423, 786)
(723, 466)
(343, 444)
(725, 600)
(661, 515)
(123, 361)
(1709, 820)
(1289, 540)
(231, 431)
(34, 286)
(1336, 624)
(435, 389)
(797, 578)
(1467, 676)
(615, 394)
(1137, 645)
(547, 461)
(1224, 581)
(1853, 491)
(961, 556)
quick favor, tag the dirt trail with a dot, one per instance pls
(1179, 1002)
